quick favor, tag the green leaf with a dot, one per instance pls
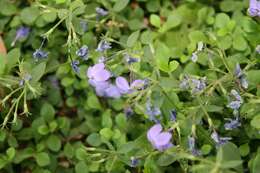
(93, 102)
(255, 122)
(42, 159)
(239, 43)
(12, 57)
(256, 164)
(49, 16)
(94, 139)
(244, 149)
(54, 143)
(29, 15)
(229, 153)
(10, 153)
(106, 133)
(155, 20)
(120, 5)
(68, 150)
(221, 20)
(43, 130)
(38, 71)
(132, 39)
(9, 8)
(173, 21)
(253, 77)
(2, 63)
(81, 154)
(173, 66)
(106, 119)
(81, 167)
(121, 121)
(47, 112)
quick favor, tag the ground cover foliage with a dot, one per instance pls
(126, 86)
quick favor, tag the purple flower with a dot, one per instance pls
(101, 59)
(184, 83)
(235, 104)
(152, 111)
(101, 12)
(194, 57)
(26, 77)
(254, 8)
(112, 91)
(173, 115)
(232, 124)
(98, 73)
(129, 59)
(236, 95)
(128, 112)
(192, 148)
(241, 77)
(198, 85)
(134, 162)
(160, 140)
(83, 52)
(75, 66)
(219, 140)
(40, 54)
(21, 33)
(103, 45)
(122, 85)
(138, 84)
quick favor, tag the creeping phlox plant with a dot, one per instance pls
(130, 86)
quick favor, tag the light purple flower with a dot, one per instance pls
(219, 140)
(194, 57)
(21, 33)
(173, 115)
(98, 73)
(103, 45)
(232, 124)
(40, 54)
(75, 66)
(129, 59)
(241, 76)
(254, 8)
(152, 111)
(112, 91)
(138, 84)
(134, 162)
(83, 52)
(128, 111)
(101, 12)
(160, 140)
(192, 148)
(122, 85)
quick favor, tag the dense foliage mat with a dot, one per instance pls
(126, 86)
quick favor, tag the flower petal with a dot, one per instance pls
(113, 92)
(122, 84)
(153, 132)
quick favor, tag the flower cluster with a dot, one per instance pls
(232, 123)
(160, 140)
(239, 74)
(99, 79)
(236, 102)
(196, 85)
(152, 111)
